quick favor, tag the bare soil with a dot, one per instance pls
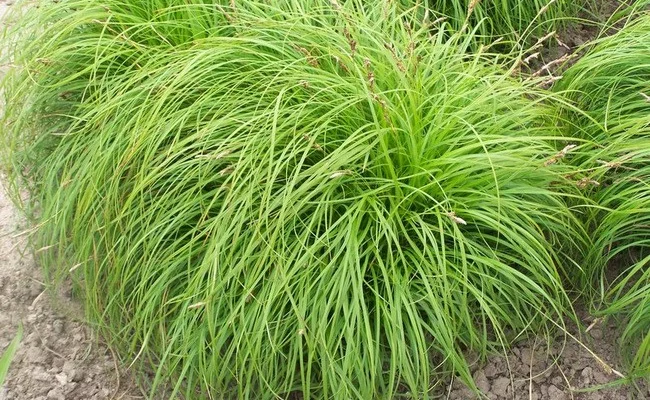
(570, 368)
(59, 358)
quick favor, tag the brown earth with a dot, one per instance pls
(59, 358)
(570, 368)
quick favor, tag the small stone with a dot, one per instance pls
(35, 289)
(535, 356)
(599, 377)
(526, 355)
(40, 390)
(460, 391)
(71, 386)
(556, 394)
(46, 340)
(596, 333)
(55, 394)
(31, 338)
(75, 375)
(32, 318)
(580, 363)
(544, 390)
(587, 375)
(39, 374)
(500, 387)
(557, 380)
(36, 356)
(521, 386)
(54, 370)
(78, 376)
(543, 376)
(61, 378)
(58, 364)
(57, 326)
(490, 370)
(481, 381)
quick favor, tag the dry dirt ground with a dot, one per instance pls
(567, 369)
(59, 358)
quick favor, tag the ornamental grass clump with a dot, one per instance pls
(513, 21)
(283, 206)
(611, 84)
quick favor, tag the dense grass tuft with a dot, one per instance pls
(611, 83)
(512, 20)
(259, 203)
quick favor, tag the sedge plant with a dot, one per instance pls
(511, 21)
(275, 206)
(611, 84)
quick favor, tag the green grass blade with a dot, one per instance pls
(9, 353)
